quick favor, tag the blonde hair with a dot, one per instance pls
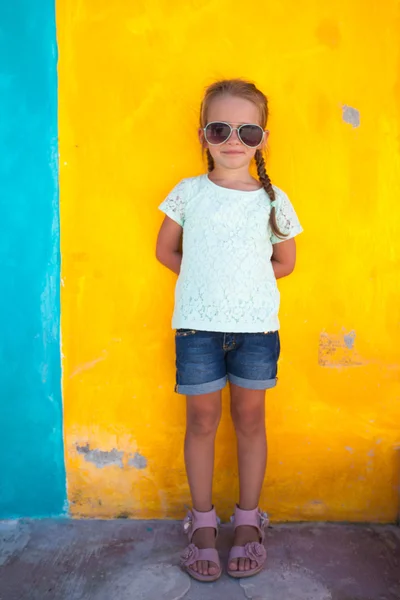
(248, 91)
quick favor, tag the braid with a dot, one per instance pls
(210, 161)
(267, 185)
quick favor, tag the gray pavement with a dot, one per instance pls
(138, 560)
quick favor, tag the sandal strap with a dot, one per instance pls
(192, 554)
(195, 520)
(253, 518)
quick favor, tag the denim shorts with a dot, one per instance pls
(206, 360)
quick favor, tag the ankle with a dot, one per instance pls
(247, 506)
(203, 508)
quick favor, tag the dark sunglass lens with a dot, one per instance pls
(251, 135)
(217, 133)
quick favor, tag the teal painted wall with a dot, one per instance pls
(32, 479)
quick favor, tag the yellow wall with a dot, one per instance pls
(131, 79)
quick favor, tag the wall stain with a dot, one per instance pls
(101, 458)
(328, 33)
(89, 365)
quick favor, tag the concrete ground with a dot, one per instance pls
(137, 560)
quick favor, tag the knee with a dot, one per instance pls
(202, 420)
(248, 420)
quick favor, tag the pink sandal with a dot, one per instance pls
(193, 521)
(254, 551)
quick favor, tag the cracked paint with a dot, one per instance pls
(338, 350)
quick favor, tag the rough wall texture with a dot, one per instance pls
(31, 447)
(131, 79)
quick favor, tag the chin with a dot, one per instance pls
(232, 162)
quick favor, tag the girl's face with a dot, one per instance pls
(236, 111)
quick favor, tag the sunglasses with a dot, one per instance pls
(219, 132)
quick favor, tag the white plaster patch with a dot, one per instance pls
(14, 536)
(152, 582)
(286, 585)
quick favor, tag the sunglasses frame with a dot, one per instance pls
(237, 129)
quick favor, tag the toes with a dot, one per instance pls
(203, 567)
(243, 564)
(233, 565)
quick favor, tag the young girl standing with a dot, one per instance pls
(238, 239)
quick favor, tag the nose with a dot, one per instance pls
(234, 136)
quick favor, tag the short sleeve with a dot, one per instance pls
(286, 218)
(175, 203)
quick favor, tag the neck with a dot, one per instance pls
(221, 174)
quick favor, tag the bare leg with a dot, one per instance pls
(203, 414)
(248, 415)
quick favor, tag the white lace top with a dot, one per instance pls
(227, 282)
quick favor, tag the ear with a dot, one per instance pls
(265, 140)
(201, 137)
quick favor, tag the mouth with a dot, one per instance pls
(232, 152)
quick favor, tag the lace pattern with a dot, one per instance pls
(227, 282)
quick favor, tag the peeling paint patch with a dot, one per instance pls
(137, 460)
(338, 350)
(101, 458)
(351, 115)
(349, 339)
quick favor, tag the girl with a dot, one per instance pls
(238, 239)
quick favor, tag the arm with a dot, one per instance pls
(168, 250)
(284, 258)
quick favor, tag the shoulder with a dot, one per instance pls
(286, 217)
(280, 195)
(178, 201)
(283, 202)
(193, 185)
(189, 186)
